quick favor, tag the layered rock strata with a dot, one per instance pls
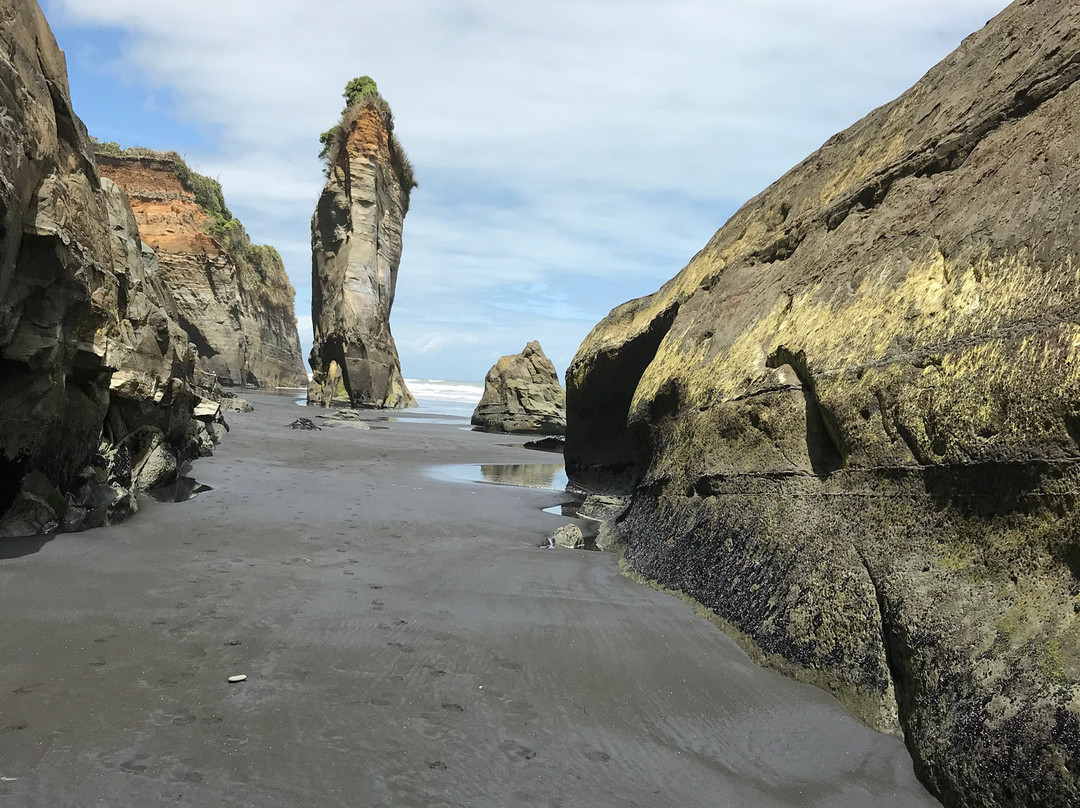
(234, 299)
(356, 249)
(850, 424)
(522, 394)
(96, 393)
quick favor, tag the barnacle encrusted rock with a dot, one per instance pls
(850, 424)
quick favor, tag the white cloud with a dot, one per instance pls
(590, 145)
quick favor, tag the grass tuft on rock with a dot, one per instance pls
(261, 272)
(362, 93)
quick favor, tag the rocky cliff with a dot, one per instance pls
(96, 395)
(356, 249)
(522, 394)
(234, 299)
(850, 425)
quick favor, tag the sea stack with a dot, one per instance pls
(356, 249)
(96, 374)
(522, 394)
(234, 299)
(850, 425)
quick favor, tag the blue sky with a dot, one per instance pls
(571, 154)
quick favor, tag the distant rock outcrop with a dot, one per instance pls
(233, 297)
(522, 394)
(850, 425)
(96, 393)
(356, 249)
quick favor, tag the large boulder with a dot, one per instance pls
(850, 425)
(522, 394)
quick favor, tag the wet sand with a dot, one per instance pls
(407, 642)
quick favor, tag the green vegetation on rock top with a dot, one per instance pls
(358, 88)
(261, 270)
(208, 193)
(360, 93)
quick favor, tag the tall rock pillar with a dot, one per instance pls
(356, 248)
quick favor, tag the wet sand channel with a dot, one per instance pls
(406, 641)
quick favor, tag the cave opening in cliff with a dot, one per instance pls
(12, 471)
(601, 452)
(203, 348)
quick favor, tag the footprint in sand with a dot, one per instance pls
(515, 751)
(135, 765)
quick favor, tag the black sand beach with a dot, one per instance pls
(407, 642)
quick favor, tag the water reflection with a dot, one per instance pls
(529, 475)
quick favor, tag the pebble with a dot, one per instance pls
(238, 678)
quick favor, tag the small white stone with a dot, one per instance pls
(238, 678)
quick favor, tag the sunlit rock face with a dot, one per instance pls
(849, 425)
(522, 394)
(234, 298)
(356, 249)
(95, 371)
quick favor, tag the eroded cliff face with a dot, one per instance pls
(96, 395)
(356, 249)
(850, 424)
(234, 299)
(522, 394)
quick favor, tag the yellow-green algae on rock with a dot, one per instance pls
(850, 424)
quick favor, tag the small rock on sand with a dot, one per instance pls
(570, 537)
(240, 677)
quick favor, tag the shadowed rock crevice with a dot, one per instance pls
(600, 452)
(823, 438)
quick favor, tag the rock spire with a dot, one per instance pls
(356, 249)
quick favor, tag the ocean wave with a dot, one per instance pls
(462, 392)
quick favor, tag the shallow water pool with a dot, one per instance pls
(528, 475)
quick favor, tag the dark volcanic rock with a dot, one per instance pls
(851, 422)
(522, 394)
(550, 444)
(90, 348)
(304, 423)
